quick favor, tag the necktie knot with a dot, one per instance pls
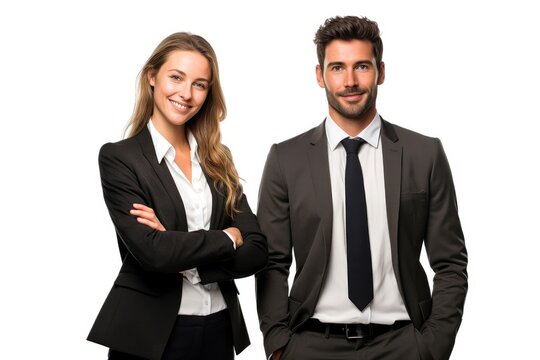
(352, 145)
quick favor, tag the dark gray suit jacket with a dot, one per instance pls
(141, 308)
(295, 211)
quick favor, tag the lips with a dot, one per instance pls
(180, 106)
(353, 96)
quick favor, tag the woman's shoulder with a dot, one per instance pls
(118, 145)
(123, 148)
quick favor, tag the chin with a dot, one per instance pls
(181, 121)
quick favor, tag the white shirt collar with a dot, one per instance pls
(370, 134)
(165, 149)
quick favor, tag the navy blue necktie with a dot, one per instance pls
(360, 276)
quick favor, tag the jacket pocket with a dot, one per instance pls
(414, 195)
(137, 283)
(423, 350)
(425, 309)
(293, 307)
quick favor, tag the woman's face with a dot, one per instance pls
(180, 87)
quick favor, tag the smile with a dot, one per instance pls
(352, 93)
(179, 106)
(352, 96)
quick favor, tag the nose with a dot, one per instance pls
(350, 80)
(185, 91)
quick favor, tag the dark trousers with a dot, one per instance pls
(400, 344)
(195, 338)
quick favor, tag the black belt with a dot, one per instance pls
(352, 331)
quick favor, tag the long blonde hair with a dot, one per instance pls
(216, 159)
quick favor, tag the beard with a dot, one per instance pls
(353, 111)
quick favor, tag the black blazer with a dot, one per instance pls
(295, 210)
(141, 308)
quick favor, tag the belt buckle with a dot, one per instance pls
(352, 333)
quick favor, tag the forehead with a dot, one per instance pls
(191, 63)
(348, 51)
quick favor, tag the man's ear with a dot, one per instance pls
(319, 73)
(380, 80)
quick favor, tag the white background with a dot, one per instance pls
(464, 71)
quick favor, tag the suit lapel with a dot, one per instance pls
(320, 175)
(392, 157)
(163, 174)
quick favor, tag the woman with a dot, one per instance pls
(184, 227)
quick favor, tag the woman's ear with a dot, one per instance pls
(151, 76)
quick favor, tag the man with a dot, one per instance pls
(356, 197)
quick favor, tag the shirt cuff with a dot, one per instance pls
(192, 275)
(232, 239)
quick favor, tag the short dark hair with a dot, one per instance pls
(349, 28)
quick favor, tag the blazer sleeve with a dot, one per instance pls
(159, 251)
(272, 283)
(249, 258)
(445, 248)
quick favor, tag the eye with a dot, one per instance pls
(362, 67)
(200, 85)
(176, 77)
(336, 68)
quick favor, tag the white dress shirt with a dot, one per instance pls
(197, 299)
(334, 305)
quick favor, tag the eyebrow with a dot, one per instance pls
(341, 63)
(184, 74)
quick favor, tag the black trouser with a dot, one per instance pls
(399, 344)
(195, 338)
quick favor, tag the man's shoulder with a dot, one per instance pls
(405, 134)
(416, 146)
(304, 139)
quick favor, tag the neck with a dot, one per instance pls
(352, 126)
(176, 135)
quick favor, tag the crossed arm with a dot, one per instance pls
(146, 216)
(158, 249)
(220, 271)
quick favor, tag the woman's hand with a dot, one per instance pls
(236, 235)
(145, 215)
(276, 355)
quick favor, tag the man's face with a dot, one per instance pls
(350, 77)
